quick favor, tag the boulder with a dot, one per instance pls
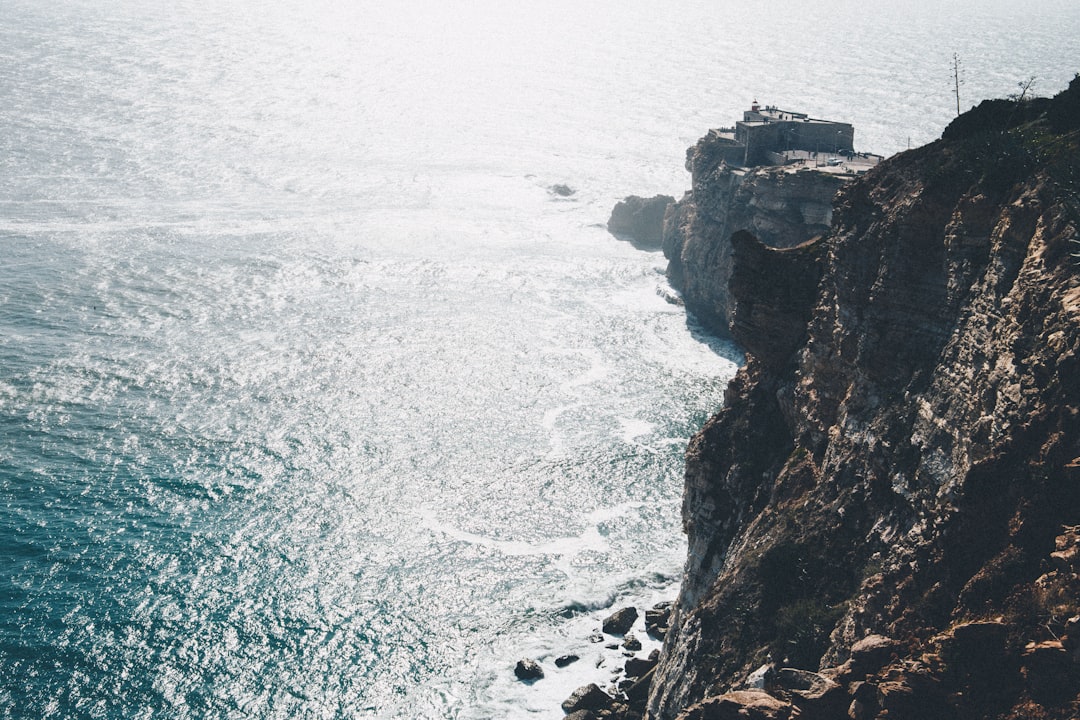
(872, 653)
(640, 220)
(619, 622)
(527, 669)
(564, 660)
(590, 698)
(741, 705)
(803, 683)
(816, 696)
(631, 643)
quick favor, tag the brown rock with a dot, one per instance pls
(620, 621)
(741, 705)
(816, 696)
(589, 697)
(871, 654)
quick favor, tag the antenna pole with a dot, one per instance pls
(956, 79)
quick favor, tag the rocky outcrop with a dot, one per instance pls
(780, 207)
(882, 520)
(640, 220)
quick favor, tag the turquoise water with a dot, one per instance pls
(315, 400)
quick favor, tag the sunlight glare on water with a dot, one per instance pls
(315, 399)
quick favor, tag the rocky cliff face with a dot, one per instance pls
(640, 220)
(883, 519)
(780, 207)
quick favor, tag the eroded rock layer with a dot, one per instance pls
(889, 502)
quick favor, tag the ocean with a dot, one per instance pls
(317, 400)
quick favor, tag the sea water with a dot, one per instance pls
(317, 399)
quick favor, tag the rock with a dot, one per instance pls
(596, 638)
(527, 669)
(1071, 638)
(619, 622)
(760, 679)
(589, 697)
(909, 691)
(640, 220)
(564, 660)
(631, 643)
(580, 715)
(637, 667)
(864, 704)
(806, 684)
(1066, 556)
(871, 654)
(1047, 670)
(562, 190)
(816, 696)
(741, 705)
(858, 710)
(657, 620)
(638, 691)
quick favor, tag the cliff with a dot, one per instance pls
(884, 518)
(779, 206)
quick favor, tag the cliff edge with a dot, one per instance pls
(884, 519)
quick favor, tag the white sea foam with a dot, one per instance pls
(589, 539)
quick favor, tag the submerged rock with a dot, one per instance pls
(527, 669)
(564, 660)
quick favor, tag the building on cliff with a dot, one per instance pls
(771, 136)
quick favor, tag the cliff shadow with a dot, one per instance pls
(720, 343)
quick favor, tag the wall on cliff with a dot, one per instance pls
(780, 207)
(890, 498)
